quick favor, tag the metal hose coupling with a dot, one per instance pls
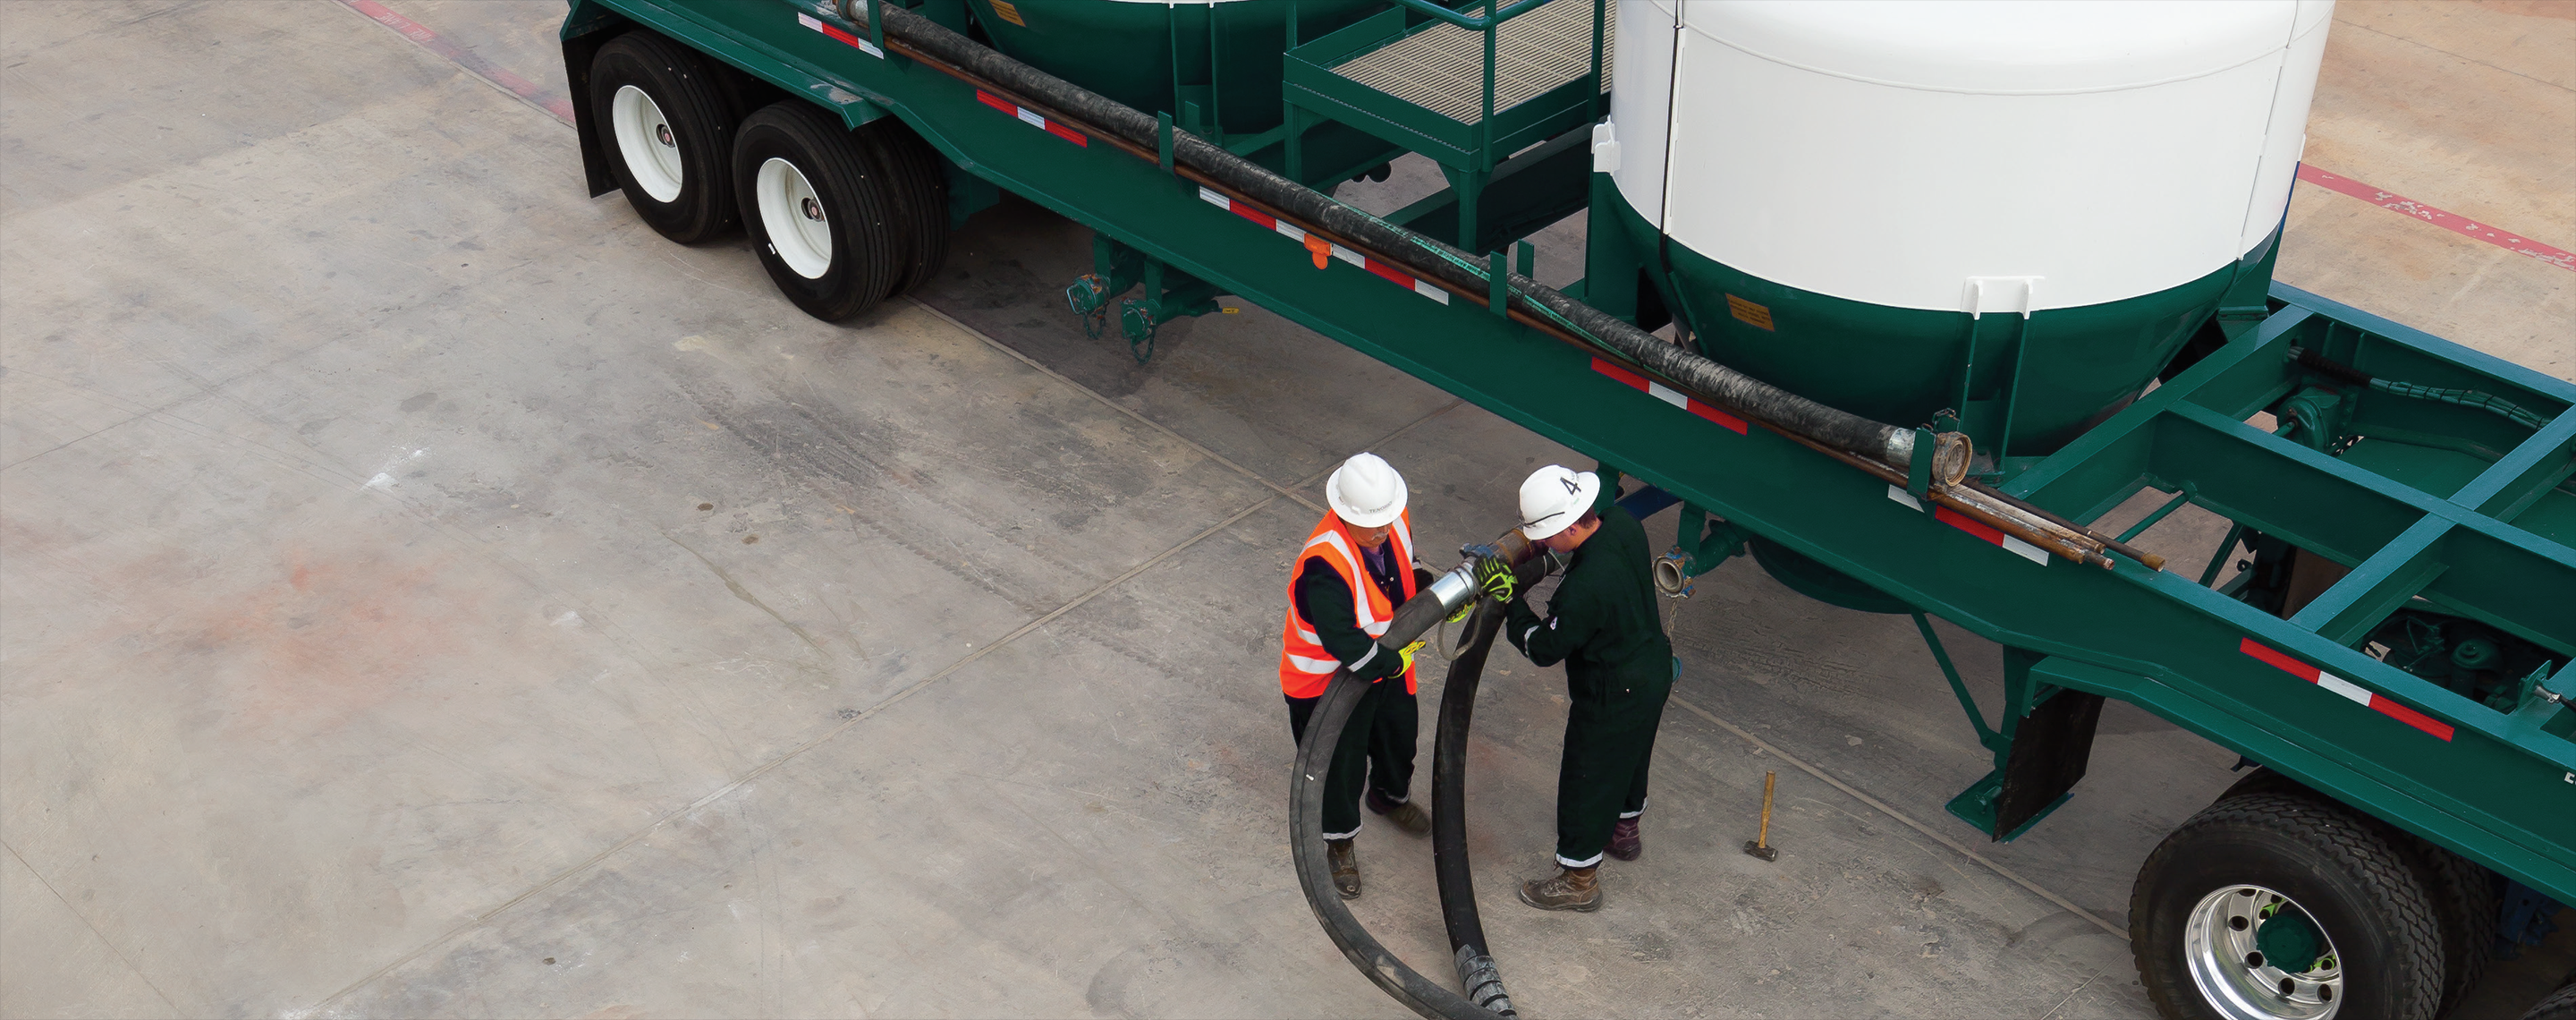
(1484, 983)
(1452, 591)
(1672, 575)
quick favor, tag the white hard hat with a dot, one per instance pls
(1365, 491)
(1554, 498)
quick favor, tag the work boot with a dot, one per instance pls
(1407, 817)
(1346, 867)
(1624, 842)
(1570, 889)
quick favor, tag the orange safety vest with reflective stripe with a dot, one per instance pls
(1304, 666)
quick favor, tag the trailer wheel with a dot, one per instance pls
(662, 116)
(919, 185)
(2464, 895)
(818, 210)
(2560, 1005)
(2270, 907)
(2465, 902)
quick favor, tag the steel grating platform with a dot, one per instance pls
(1441, 68)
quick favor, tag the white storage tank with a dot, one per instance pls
(1832, 194)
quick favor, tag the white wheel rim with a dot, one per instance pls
(799, 230)
(645, 139)
(2233, 977)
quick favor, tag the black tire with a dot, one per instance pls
(919, 184)
(2466, 903)
(699, 205)
(2361, 890)
(2560, 1005)
(2464, 895)
(863, 253)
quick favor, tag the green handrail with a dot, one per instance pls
(1489, 20)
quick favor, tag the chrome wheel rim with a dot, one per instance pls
(645, 140)
(2224, 944)
(792, 213)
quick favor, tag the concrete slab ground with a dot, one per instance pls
(425, 591)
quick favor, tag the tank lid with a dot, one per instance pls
(2031, 47)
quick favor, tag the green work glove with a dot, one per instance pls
(1497, 578)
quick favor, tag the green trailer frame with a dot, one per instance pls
(2429, 505)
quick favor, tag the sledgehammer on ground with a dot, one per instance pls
(1760, 845)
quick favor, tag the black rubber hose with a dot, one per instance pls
(1476, 970)
(1426, 257)
(1315, 872)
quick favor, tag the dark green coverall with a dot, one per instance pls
(1618, 671)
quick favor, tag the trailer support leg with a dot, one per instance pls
(1986, 736)
(2047, 743)
(1169, 294)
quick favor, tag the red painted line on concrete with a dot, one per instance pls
(534, 93)
(2453, 222)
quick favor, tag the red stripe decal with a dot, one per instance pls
(2384, 706)
(1634, 381)
(1720, 417)
(997, 102)
(1381, 269)
(838, 34)
(1068, 134)
(473, 63)
(1255, 215)
(2282, 662)
(2380, 703)
(1960, 521)
(2453, 222)
(1642, 384)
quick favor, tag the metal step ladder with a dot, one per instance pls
(1468, 91)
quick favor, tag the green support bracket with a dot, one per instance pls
(1163, 139)
(1717, 541)
(2246, 303)
(1498, 289)
(1610, 479)
(1612, 273)
(1169, 294)
(1986, 736)
(1918, 474)
(2046, 743)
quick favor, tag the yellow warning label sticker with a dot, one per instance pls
(1009, 13)
(1749, 313)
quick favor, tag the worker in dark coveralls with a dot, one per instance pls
(1619, 668)
(1354, 569)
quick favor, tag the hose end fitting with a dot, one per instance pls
(1950, 454)
(1672, 575)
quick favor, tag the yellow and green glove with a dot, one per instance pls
(1497, 579)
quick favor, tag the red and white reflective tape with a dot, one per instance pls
(1984, 533)
(835, 32)
(2358, 694)
(1318, 245)
(1668, 395)
(1032, 118)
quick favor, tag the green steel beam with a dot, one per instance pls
(2346, 612)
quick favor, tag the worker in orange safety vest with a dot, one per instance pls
(1355, 568)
